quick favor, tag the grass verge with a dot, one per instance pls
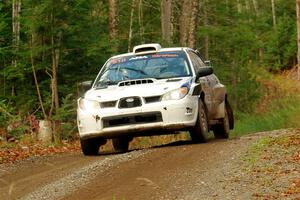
(284, 114)
(278, 108)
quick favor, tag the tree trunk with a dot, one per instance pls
(174, 19)
(192, 40)
(189, 23)
(166, 17)
(185, 22)
(16, 9)
(247, 5)
(239, 6)
(298, 35)
(257, 14)
(55, 62)
(206, 37)
(35, 78)
(256, 8)
(274, 13)
(141, 23)
(113, 23)
(133, 4)
(55, 97)
(55, 56)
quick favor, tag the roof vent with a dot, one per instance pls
(146, 48)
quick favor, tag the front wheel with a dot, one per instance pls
(121, 144)
(199, 132)
(91, 146)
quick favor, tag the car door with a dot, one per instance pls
(218, 92)
(204, 81)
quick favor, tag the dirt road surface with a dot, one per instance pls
(180, 170)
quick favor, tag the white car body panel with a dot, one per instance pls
(174, 112)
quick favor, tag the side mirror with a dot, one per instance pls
(85, 86)
(205, 71)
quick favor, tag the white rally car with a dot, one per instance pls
(152, 91)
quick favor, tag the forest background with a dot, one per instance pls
(47, 47)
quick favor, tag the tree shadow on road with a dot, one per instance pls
(182, 142)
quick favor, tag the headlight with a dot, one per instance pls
(85, 104)
(176, 94)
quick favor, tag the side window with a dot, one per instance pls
(196, 61)
(202, 64)
(199, 60)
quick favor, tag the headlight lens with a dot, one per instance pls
(85, 104)
(176, 94)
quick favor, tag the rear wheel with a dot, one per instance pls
(91, 146)
(121, 144)
(199, 132)
(221, 131)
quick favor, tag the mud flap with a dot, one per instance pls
(230, 115)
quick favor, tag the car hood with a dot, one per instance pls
(157, 88)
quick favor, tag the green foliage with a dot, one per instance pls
(5, 113)
(67, 109)
(283, 115)
(19, 131)
(13, 123)
(67, 115)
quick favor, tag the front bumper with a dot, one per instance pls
(150, 118)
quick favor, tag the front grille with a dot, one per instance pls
(152, 99)
(132, 119)
(108, 104)
(130, 102)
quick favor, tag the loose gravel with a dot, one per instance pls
(68, 184)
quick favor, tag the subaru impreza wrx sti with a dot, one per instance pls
(153, 91)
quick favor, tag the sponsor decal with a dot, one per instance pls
(165, 55)
(138, 58)
(116, 61)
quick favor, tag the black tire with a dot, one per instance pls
(230, 115)
(121, 144)
(199, 132)
(221, 131)
(91, 146)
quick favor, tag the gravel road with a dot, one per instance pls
(180, 170)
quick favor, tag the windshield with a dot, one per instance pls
(162, 65)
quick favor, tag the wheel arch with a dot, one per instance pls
(229, 112)
(202, 98)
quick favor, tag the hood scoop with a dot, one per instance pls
(135, 82)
